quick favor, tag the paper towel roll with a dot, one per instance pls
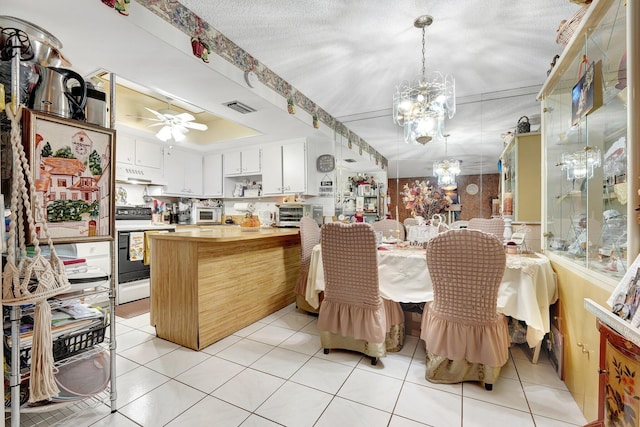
(244, 207)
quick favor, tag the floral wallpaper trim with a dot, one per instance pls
(191, 24)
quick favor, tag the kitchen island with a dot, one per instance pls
(208, 282)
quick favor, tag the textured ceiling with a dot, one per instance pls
(349, 56)
(346, 57)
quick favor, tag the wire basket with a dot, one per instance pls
(567, 27)
(65, 345)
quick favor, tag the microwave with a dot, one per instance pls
(201, 215)
(290, 214)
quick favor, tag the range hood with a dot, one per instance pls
(134, 174)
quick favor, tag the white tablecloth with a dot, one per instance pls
(527, 289)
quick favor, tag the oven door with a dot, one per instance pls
(128, 270)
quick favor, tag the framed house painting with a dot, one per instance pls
(74, 177)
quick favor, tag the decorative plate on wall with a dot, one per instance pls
(472, 189)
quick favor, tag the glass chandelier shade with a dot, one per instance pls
(581, 164)
(446, 171)
(422, 106)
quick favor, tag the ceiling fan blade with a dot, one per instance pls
(177, 134)
(156, 113)
(184, 117)
(196, 126)
(156, 124)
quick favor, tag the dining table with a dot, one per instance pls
(526, 291)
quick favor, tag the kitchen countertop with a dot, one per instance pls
(221, 233)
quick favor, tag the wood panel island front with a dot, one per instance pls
(207, 283)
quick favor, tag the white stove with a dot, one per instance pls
(133, 276)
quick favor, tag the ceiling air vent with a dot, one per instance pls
(240, 107)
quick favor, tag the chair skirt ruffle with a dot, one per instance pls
(395, 325)
(360, 322)
(330, 340)
(442, 370)
(486, 343)
(303, 304)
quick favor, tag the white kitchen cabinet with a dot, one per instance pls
(245, 162)
(285, 168)
(212, 175)
(140, 152)
(183, 173)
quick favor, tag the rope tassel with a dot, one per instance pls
(43, 384)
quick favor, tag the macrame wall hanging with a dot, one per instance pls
(32, 280)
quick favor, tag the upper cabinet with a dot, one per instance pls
(212, 175)
(285, 168)
(138, 159)
(245, 162)
(520, 178)
(587, 137)
(183, 172)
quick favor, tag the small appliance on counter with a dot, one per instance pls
(201, 215)
(184, 213)
(290, 214)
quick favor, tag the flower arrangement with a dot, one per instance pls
(424, 199)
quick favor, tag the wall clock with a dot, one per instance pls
(325, 163)
(472, 189)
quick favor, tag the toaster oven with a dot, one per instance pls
(290, 214)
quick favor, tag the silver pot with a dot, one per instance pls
(45, 47)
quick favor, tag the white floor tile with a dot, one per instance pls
(115, 420)
(323, 375)
(553, 403)
(372, 389)
(409, 347)
(249, 389)
(394, 365)
(281, 362)
(312, 327)
(245, 352)
(302, 342)
(177, 361)
(124, 365)
(506, 392)
(509, 370)
(162, 404)
(350, 358)
(295, 405)
(258, 421)
(149, 350)
(429, 406)
(483, 414)
(342, 412)
(211, 411)
(131, 339)
(542, 374)
(221, 345)
(248, 330)
(417, 372)
(293, 321)
(210, 374)
(136, 383)
(137, 322)
(272, 335)
(397, 421)
(550, 422)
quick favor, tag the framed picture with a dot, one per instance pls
(73, 172)
(586, 95)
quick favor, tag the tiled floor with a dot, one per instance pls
(274, 373)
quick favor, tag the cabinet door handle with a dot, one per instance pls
(603, 371)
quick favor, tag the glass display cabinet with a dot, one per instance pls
(585, 140)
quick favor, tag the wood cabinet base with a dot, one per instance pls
(204, 291)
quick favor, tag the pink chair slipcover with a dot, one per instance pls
(353, 315)
(466, 338)
(493, 226)
(309, 237)
(384, 225)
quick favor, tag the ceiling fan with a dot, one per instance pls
(174, 125)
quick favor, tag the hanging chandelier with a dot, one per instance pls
(446, 170)
(422, 106)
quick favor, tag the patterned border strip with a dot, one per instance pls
(191, 24)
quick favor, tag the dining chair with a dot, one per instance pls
(353, 316)
(390, 228)
(465, 337)
(456, 225)
(493, 226)
(410, 222)
(309, 237)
